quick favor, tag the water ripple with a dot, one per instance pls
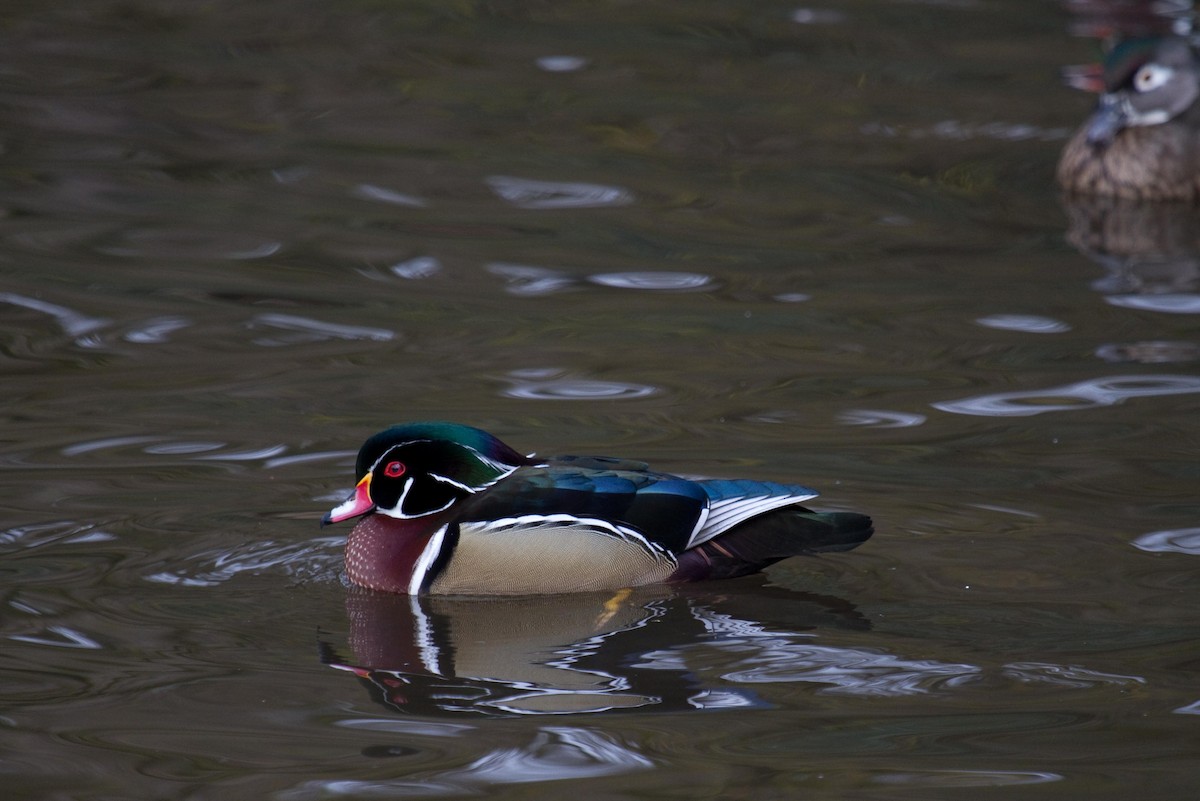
(417, 268)
(195, 243)
(656, 280)
(817, 16)
(67, 532)
(372, 192)
(265, 452)
(880, 418)
(1065, 675)
(303, 458)
(1189, 709)
(1083, 395)
(530, 194)
(156, 330)
(542, 384)
(1171, 304)
(106, 443)
(530, 281)
(316, 558)
(956, 131)
(60, 637)
(553, 754)
(561, 63)
(969, 778)
(1029, 323)
(306, 330)
(73, 323)
(1180, 540)
(412, 728)
(853, 671)
(1152, 352)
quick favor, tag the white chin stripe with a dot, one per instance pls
(349, 508)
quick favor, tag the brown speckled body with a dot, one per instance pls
(1158, 162)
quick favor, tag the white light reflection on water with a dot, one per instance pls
(523, 279)
(61, 637)
(553, 754)
(57, 532)
(530, 194)
(311, 559)
(1072, 676)
(1189, 709)
(156, 330)
(969, 778)
(73, 323)
(417, 268)
(106, 443)
(382, 194)
(1083, 395)
(528, 280)
(880, 418)
(853, 671)
(956, 131)
(653, 280)
(1151, 352)
(1171, 304)
(1181, 540)
(561, 63)
(1029, 323)
(305, 330)
(817, 16)
(550, 384)
(766, 657)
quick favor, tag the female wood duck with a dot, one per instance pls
(1143, 141)
(450, 509)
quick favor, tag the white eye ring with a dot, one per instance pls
(1151, 77)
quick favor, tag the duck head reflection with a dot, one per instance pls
(564, 654)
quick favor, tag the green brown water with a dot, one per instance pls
(238, 238)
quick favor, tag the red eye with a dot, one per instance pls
(394, 469)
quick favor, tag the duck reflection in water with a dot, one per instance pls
(578, 653)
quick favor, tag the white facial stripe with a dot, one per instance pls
(1135, 117)
(398, 510)
(452, 483)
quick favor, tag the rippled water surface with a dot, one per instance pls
(809, 243)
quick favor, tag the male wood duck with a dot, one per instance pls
(450, 509)
(1143, 140)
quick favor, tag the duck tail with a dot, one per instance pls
(766, 539)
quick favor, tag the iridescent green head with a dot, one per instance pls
(420, 469)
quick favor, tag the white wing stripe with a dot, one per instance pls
(534, 521)
(725, 514)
